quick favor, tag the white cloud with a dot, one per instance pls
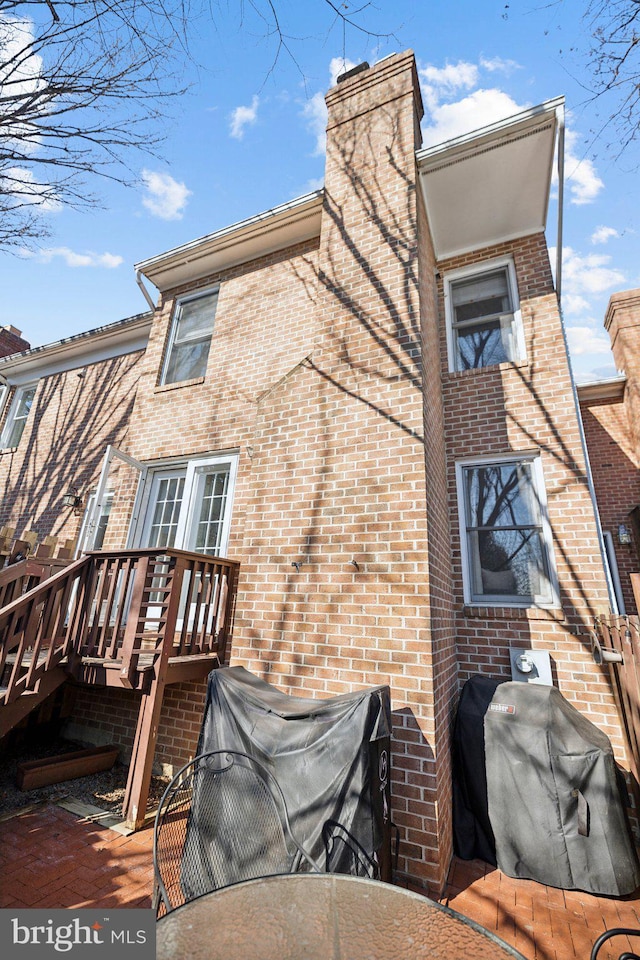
(242, 117)
(19, 183)
(166, 198)
(314, 110)
(72, 259)
(574, 303)
(315, 113)
(582, 178)
(20, 73)
(339, 65)
(590, 274)
(499, 65)
(583, 340)
(450, 78)
(480, 108)
(316, 183)
(603, 234)
(449, 117)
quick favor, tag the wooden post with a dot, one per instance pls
(635, 586)
(144, 747)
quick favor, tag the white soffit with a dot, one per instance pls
(265, 233)
(491, 185)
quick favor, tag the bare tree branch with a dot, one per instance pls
(85, 85)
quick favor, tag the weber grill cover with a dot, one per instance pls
(472, 833)
(554, 802)
(330, 757)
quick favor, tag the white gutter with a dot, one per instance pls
(145, 292)
(144, 266)
(574, 389)
(475, 137)
(560, 115)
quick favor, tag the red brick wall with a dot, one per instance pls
(623, 323)
(442, 607)
(614, 464)
(328, 373)
(339, 464)
(72, 420)
(525, 407)
(11, 341)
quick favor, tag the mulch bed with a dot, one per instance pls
(104, 790)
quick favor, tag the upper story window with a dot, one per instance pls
(190, 339)
(506, 537)
(17, 416)
(483, 317)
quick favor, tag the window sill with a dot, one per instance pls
(499, 611)
(493, 368)
(166, 387)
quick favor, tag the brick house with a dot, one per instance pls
(610, 414)
(362, 396)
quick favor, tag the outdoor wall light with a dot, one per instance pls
(72, 499)
(297, 564)
(624, 533)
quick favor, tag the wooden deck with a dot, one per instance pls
(138, 619)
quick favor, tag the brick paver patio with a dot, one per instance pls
(50, 857)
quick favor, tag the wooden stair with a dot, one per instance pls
(138, 620)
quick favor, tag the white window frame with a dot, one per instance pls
(468, 273)
(89, 526)
(11, 415)
(171, 342)
(507, 600)
(194, 469)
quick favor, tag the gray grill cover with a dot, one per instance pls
(554, 802)
(330, 757)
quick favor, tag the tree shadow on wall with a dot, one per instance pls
(69, 452)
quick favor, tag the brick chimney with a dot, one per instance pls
(622, 320)
(11, 341)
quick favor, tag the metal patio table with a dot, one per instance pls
(322, 917)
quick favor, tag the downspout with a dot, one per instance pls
(145, 292)
(560, 114)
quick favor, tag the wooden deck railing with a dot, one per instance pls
(617, 643)
(128, 609)
(20, 577)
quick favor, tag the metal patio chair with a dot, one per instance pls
(344, 854)
(222, 819)
(615, 932)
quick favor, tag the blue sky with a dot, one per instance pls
(249, 136)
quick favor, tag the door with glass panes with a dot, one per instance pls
(189, 506)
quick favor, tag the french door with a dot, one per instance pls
(188, 506)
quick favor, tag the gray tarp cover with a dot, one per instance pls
(554, 803)
(330, 757)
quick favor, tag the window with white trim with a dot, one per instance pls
(483, 317)
(188, 505)
(506, 538)
(17, 416)
(190, 338)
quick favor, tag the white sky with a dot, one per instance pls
(247, 138)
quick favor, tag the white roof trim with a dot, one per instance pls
(610, 389)
(493, 131)
(82, 350)
(492, 185)
(275, 229)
